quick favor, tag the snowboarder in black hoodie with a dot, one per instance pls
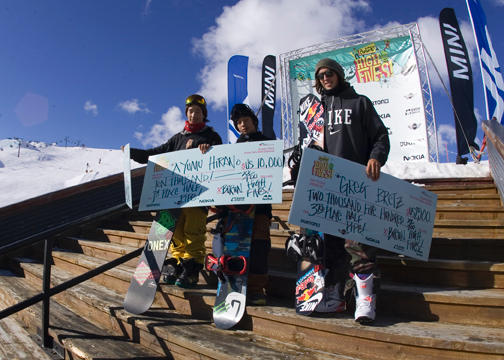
(354, 131)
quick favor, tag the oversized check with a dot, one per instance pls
(334, 196)
(245, 173)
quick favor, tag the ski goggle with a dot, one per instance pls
(328, 73)
(198, 99)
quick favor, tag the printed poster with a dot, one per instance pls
(386, 72)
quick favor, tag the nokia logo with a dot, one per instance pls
(206, 201)
(413, 157)
(385, 116)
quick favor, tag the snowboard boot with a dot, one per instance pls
(171, 271)
(332, 301)
(365, 299)
(190, 273)
(256, 285)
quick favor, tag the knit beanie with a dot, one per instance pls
(333, 65)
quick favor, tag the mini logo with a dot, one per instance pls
(267, 197)
(414, 126)
(236, 198)
(406, 143)
(322, 168)
(409, 96)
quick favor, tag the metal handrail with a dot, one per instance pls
(47, 291)
(47, 236)
(494, 132)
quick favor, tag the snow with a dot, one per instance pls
(43, 168)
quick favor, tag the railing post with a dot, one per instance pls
(46, 285)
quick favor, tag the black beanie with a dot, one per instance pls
(331, 64)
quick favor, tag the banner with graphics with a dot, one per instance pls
(385, 71)
(237, 90)
(491, 72)
(244, 173)
(334, 196)
(461, 80)
(268, 94)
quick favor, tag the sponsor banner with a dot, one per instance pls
(268, 94)
(237, 90)
(387, 73)
(491, 72)
(461, 81)
(244, 173)
(334, 196)
(127, 176)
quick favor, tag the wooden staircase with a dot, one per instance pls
(451, 307)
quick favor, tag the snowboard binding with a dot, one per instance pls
(226, 264)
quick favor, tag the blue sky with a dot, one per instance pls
(105, 73)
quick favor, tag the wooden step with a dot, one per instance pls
(80, 338)
(101, 249)
(451, 273)
(119, 278)
(387, 338)
(17, 343)
(463, 189)
(125, 237)
(170, 333)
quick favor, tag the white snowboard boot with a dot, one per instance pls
(365, 301)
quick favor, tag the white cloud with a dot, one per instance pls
(431, 38)
(146, 10)
(133, 106)
(446, 136)
(171, 123)
(256, 28)
(91, 108)
(499, 2)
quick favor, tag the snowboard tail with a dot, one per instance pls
(232, 270)
(144, 282)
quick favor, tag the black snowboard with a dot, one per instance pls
(144, 283)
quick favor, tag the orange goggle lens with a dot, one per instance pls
(195, 99)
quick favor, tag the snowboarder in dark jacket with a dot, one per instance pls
(246, 122)
(354, 131)
(188, 243)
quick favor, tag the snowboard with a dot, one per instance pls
(311, 121)
(309, 287)
(144, 282)
(231, 268)
(310, 276)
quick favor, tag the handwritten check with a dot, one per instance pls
(244, 173)
(334, 196)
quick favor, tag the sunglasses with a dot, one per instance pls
(195, 99)
(327, 73)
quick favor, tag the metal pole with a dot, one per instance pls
(46, 285)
